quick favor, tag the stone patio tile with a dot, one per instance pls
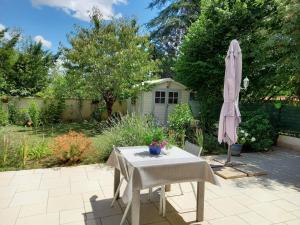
(86, 222)
(45, 219)
(111, 220)
(24, 172)
(272, 213)
(92, 196)
(296, 212)
(33, 209)
(7, 192)
(29, 197)
(52, 183)
(81, 187)
(60, 191)
(4, 202)
(231, 220)
(184, 219)
(149, 214)
(107, 191)
(285, 205)
(254, 219)
(243, 199)
(104, 180)
(293, 198)
(261, 195)
(228, 206)
(26, 179)
(28, 187)
(56, 204)
(293, 222)
(74, 215)
(101, 208)
(9, 216)
(184, 203)
(5, 181)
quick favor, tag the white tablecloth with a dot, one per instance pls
(171, 166)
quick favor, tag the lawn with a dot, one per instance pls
(38, 141)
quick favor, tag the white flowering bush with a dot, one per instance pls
(245, 137)
(256, 131)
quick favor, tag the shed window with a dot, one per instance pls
(160, 97)
(173, 97)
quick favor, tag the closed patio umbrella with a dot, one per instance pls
(230, 116)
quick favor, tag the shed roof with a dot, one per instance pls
(164, 80)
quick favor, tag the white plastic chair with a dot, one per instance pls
(126, 176)
(194, 150)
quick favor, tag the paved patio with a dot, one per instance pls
(82, 195)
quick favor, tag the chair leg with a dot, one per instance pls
(194, 190)
(125, 212)
(117, 192)
(150, 194)
(180, 187)
(163, 194)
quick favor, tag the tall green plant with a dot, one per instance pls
(34, 113)
(3, 116)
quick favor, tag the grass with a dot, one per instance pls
(29, 147)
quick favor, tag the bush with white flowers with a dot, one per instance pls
(256, 131)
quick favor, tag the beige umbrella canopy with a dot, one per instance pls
(230, 116)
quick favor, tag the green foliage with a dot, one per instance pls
(23, 117)
(168, 28)
(108, 59)
(261, 27)
(12, 112)
(258, 126)
(30, 72)
(8, 57)
(35, 114)
(3, 116)
(180, 118)
(39, 151)
(52, 111)
(155, 134)
(128, 131)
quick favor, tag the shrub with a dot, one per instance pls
(3, 116)
(23, 117)
(127, 131)
(51, 113)
(259, 129)
(179, 121)
(71, 147)
(34, 113)
(12, 112)
(39, 150)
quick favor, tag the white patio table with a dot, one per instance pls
(171, 166)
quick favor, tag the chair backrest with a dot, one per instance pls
(122, 164)
(192, 148)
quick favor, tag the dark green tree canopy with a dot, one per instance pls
(201, 61)
(169, 27)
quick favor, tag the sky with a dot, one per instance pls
(49, 21)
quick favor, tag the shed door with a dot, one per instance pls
(160, 106)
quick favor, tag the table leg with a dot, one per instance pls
(116, 180)
(200, 201)
(135, 208)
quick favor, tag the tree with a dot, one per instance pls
(201, 61)
(30, 73)
(8, 57)
(169, 27)
(109, 59)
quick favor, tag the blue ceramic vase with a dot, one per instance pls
(154, 150)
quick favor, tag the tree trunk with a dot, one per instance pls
(109, 102)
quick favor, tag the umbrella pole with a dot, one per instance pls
(228, 154)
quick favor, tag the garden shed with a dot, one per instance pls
(161, 98)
